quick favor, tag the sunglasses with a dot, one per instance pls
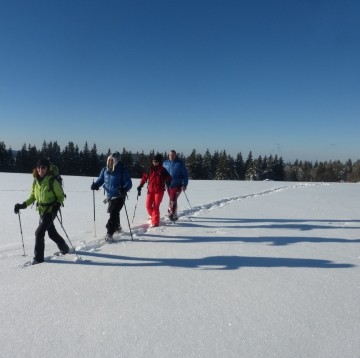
(42, 167)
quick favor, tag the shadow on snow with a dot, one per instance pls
(272, 240)
(206, 263)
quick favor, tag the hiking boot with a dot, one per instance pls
(65, 250)
(109, 238)
(173, 217)
(154, 225)
(35, 262)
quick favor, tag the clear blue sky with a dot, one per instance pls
(274, 77)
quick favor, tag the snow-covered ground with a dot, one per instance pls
(251, 269)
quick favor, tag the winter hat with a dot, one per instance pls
(43, 162)
(115, 157)
(158, 158)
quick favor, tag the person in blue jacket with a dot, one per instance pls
(179, 182)
(117, 183)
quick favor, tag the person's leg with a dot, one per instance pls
(150, 205)
(58, 239)
(45, 222)
(156, 209)
(173, 196)
(115, 205)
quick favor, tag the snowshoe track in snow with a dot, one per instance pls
(185, 215)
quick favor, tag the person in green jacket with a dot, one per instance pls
(48, 195)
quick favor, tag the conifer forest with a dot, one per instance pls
(219, 165)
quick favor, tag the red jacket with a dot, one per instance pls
(156, 177)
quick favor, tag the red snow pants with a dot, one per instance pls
(153, 201)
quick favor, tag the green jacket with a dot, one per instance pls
(46, 192)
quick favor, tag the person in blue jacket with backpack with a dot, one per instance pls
(117, 182)
(179, 182)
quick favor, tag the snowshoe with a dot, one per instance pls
(109, 238)
(173, 217)
(35, 262)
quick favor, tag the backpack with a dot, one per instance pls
(54, 172)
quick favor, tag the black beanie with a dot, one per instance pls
(43, 162)
(158, 158)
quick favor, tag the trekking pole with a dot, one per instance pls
(127, 216)
(137, 198)
(22, 237)
(94, 209)
(62, 226)
(187, 199)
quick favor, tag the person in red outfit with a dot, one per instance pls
(156, 178)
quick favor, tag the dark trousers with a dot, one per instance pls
(47, 224)
(115, 205)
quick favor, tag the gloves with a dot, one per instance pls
(55, 209)
(19, 206)
(122, 191)
(94, 186)
(183, 188)
(139, 189)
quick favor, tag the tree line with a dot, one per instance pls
(209, 166)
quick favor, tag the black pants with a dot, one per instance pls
(115, 205)
(46, 224)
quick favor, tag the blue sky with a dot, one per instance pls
(273, 77)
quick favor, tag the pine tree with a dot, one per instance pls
(194, 165)
(70, 160)
(127, 160)
(207, 172)
(3, 157)
(84, 164)
(250, 173)
(94, 167)
(239, 167)
(222, 172)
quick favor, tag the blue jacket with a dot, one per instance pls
(178, 172)
(114, 180)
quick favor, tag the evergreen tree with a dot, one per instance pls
(71, 160)
(51, 151)
(231, 169)
(258, 169)
(348, 168)
(127, 160)
(307, 171)
(194, 165)
(94, 167)
(85, 160)
(22, 160)
(354, 175)
(4, 160)
(250, 172)
(11, 161)
(208, 171)
(278, 169)
(239, 167)
(141, 164)
(214, 165)
(221, 167)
